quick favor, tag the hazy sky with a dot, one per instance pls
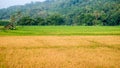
(7, 3)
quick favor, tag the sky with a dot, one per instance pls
(8, 3)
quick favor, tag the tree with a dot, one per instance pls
(79, 19)
(89, 20)
(12, 22)
(55, 19)
(4, 22)
(26, 21)
(18, 16)
(40, 21)
(114, 19)
(96, 14)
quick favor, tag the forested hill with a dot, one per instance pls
(67, 12)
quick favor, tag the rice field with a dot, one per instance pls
(60, 47)
(59, 51)
(61, 30)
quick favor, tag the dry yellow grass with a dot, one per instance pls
(60, 52)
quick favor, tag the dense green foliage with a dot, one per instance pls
(67, 12)
(3, 22)
(61, 30)
(50, 20)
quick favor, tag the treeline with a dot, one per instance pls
(4, 22)
(80, 19)
(57, 19)
(50, 20)
(66, 12)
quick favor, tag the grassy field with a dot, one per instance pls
(62, 30)
(60, 47)
(60, 52)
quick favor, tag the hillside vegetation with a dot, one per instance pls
(66, 12)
